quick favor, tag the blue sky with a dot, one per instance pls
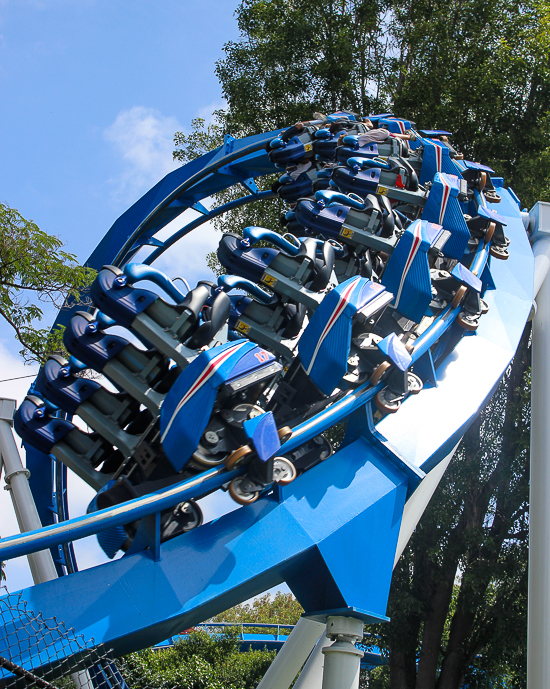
(92, 92)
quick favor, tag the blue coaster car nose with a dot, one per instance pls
(118, 300)
(189, 403)
(242, 260)
(291, 153)
(292, 189)
(360, 182)
(66, 391)
(320, 219)
(91, 346)
(37, 428)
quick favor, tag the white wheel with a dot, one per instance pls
(284, 472)
(414, 384)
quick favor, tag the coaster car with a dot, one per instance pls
(300, 143)
(325, 344)
(294, 270)
(432, 157)
(272, 322)
(444, 206)
(357, 222)
(302, 181)
(372, 144)
(176, 330)
(364, 175)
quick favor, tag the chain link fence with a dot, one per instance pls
(42, 652)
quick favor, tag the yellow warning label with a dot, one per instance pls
(346, 232)
(242, 327)
(269, 280)
(382, 190)
(308, 147)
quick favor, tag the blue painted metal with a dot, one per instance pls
(302, 529)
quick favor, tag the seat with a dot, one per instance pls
(128, 367)
(83, 453)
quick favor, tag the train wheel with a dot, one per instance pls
(469, 323)
(379, 372)
(285, 433)
(385, 404)
(237, 490)
(235, 458)
(499, 252)
(458, 297)
(284, 472)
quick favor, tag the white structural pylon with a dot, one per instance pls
(17, 482)
(16, 478)
(342, 658)
(538, 614)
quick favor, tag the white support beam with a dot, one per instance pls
(538, 615)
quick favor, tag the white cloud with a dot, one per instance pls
(144, 139)
(206, 112)
(187, 258)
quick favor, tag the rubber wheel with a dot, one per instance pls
(463, 322)
(193, 511)
(379, 372)
(234, 459)
(204, 458)
(384, 405)
(458, 297)
(482, 181)
(492, 196)
(414, 383)
(499, 252)
(239, 495)
(489, 233)
(285, 433)
(484, 307)
(284, 472)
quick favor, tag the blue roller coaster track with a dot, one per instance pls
(391, 280)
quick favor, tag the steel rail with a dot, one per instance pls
(88, 525)
(185, 186)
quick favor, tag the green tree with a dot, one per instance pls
(283, 608)
(296, 58)
(458, 599)
(482, 70)
(201, 661)
(35, 272)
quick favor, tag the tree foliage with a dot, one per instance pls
(35, 273)
(297, 57)
(458, 599)
(482, 70)
(200, 661)
(283, 608)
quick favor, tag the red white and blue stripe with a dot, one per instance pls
(417, 241)
(343, 300)
(209, 370)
